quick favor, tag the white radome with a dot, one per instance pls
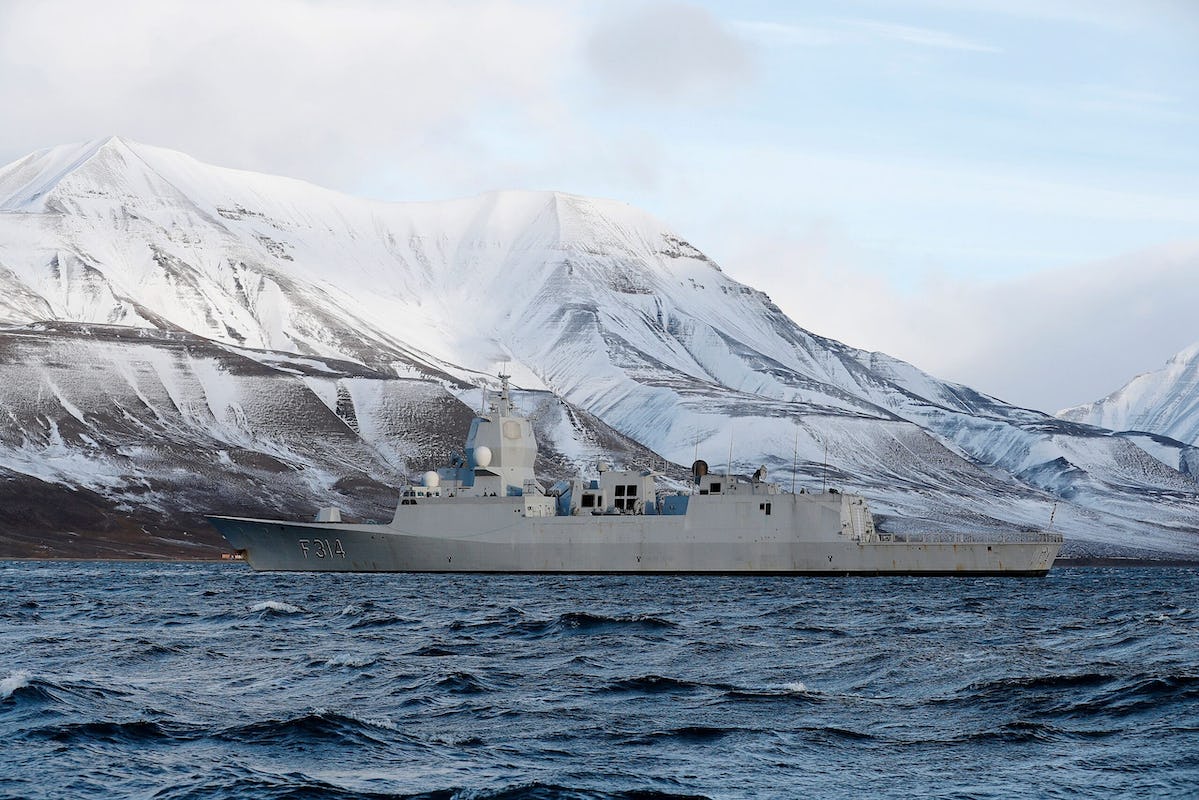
(432, 479)
(483, 456)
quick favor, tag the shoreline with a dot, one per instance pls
(1098, 561)
(128, 560)
(1060, 563)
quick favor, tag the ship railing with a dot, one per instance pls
(1002, 537)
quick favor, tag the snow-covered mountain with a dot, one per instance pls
(590, 303)
(1164, 402)
(128, 435)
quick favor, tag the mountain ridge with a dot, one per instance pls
(1164, 401)
(592, 300)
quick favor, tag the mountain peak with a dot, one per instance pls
(1187, 355)
(26, 183)
(1164, 401)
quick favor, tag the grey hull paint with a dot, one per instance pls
(697, 542)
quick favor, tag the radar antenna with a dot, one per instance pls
(505, 405)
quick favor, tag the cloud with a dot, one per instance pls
(671, 52)
(856, 32)
(314, 90)
(1111, 15)
(921, 37)
(783, 34)
(1047, 340)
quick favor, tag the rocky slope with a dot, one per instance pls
(115, 441)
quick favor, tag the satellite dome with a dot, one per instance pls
(432, 479)
(483, 456)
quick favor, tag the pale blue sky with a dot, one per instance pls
(936, 180)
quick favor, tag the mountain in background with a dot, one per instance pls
(341, 343)
(1164, 402)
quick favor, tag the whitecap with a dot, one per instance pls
(277, 606)
(797, 687)
(16, 680)
(348, 660)
(380, 722)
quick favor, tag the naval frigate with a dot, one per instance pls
(488, 512)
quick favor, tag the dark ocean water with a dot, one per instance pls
(179, 681)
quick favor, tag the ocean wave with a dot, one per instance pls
(544, 791)
(1012, 732)
(658, 683)
(582, 622)
(686, 733)
(432, 650)
(271, 607)
(791, 690)
(247, 784)
(317, 726)
(1081, 694)
(1022, 685)
(379, 621)
(343, 660)
(822, 630)
(147, 648)
(13, 683)
(23, 686)
(462, 683)
(587, 661)
(585, 621)
(1141, 693)
(243, 783)
(132, 732)
(834, 732)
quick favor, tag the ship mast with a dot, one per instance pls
(504, 407)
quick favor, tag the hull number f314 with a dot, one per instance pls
(322, 548)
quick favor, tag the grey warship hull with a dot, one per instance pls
(487, 512)
(631, 544)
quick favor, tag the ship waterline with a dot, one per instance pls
(488, 513)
